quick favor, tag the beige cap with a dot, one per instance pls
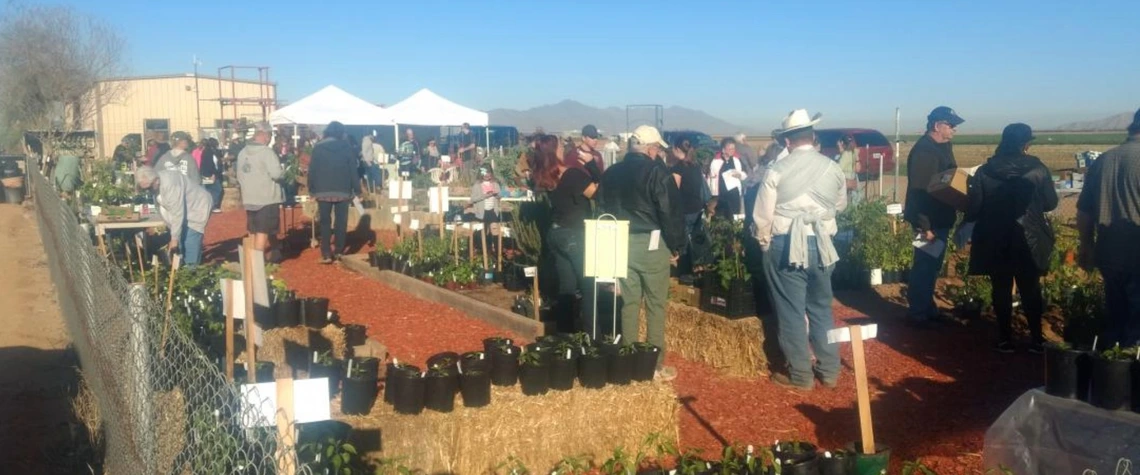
(646, 135)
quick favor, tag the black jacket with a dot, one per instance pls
(332, 171)
(208, 167)
(642, 191)
(1009, 197)
(926, 160)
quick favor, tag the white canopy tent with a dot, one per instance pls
(327, 105)
(428, 108)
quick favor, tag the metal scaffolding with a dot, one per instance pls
(266, 97)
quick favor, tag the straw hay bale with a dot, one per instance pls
(273, 345)
(734, 347)
(537, 430)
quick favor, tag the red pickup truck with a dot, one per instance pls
(873, 148)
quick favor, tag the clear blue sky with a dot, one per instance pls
(997, 61)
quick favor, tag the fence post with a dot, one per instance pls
(140, 352)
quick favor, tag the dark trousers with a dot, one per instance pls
(326, 210)
(923, 279)
(489, 241)
(794, 293)
(1122, 301)
(1029, 286)
(685, 260)
(216, 192)
(574, 307)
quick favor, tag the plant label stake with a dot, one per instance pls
(483, 235)
(139, 248)
(499, 250)
(154, 267)
(533, 272)
(856, 334)
(470, 243)
(247, 282)
(229, 312)
(169, 296)
(130, 261)
(286, 430)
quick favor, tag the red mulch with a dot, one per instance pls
(935, 392)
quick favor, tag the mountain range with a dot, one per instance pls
(1111, 123)
(569, 115)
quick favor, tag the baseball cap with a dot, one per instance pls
(180, 135)
(591, 132)
(945, 114)
(1017, 135)
(646, 135)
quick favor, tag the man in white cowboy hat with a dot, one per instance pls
(641, 190)
(794, 221)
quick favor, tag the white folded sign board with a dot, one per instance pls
(310, 402)
(843, 334)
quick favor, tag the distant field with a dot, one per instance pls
(1054, 138)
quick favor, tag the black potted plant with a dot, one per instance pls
(389, 378)
(449, 359)
(543, 350)
(563, 362)
(838, 462)
(645, 360)
(534, 374)
(505, 365)
(475, 385)
(287, 309)
(440, 385)
(368, 364)
(355, 334)
(796, 458)
(592, 368)
(324, 365)
(1067, 371)
(408, 389)
(264, 372)
(359, 390)
(490, 344)
(619, 362)
(1112, 378)
(475, 361)
(315, 312)
(727, 290)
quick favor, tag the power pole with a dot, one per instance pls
(197, 99)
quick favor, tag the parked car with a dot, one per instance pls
(699, 140)
(873, 148)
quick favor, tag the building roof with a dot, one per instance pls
(184, 75)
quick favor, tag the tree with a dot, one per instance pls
(53, 64)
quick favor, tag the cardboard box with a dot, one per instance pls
(951, 187)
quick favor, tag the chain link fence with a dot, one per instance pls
(166, 408)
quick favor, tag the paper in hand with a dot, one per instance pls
(359, 206)
(934, 248)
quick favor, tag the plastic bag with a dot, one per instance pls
(1042, 434)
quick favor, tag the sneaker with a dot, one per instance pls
(1005, 347)
(665, 374)
(216, 211)
(325, 261)
(1037, 348)
(782, 379)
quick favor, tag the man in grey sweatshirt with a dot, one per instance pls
(259, 174)
(184, 206)
(179, 158)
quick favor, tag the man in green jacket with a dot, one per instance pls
(67, 174)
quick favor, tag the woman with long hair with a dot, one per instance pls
(694, 194)
(547, 159)
(1012, 240)
(570, 190)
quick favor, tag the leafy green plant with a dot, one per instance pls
(916, 467)
(627, 349)
(332, 456)
(325, 358)
(728, 247)
(656, 447)
(531, 358)
(572, 465)
(513, 466)
(1116, 353)
(528, 237)
(872, 243)
(691, 463)
(393, 466)
(618, 463)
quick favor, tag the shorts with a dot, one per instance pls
(266, 220)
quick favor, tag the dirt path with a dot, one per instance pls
(37, 371)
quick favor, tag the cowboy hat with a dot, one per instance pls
(798, 119)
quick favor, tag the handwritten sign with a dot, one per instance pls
(894, 209)
(530, 271)
(396, 218)
(415, 225)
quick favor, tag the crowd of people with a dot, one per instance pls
(788, 197)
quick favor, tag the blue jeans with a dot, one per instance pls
(685, 260)
(373, 175)
(568, 248)
(216, 191)
(923, 278)
(1122, 302)
(795, 292)
(191, 245)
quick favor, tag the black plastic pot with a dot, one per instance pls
(355, 335)
(315, 312)
(514, 278)
(373, 259)
(839, 463)
(1111, 384)
(800, 462)
(562, 372)
(873, 463)
(451, 359)
(475, 361)
(408, 392)
(384, 262)
(333, 371)
(287, 312)
(369, 366)
(358, 395)
(489, 344)
(1063, 372)
(645, 363)
(505, 367)
(264, 371)
(619, 367)
(475, 386)
(439, 391)
(592, 371)
(534, 379)
(545, 351)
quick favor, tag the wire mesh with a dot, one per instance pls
(167, 408)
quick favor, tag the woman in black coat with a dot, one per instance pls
(1012, 240)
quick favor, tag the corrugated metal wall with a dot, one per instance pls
(173, 99)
